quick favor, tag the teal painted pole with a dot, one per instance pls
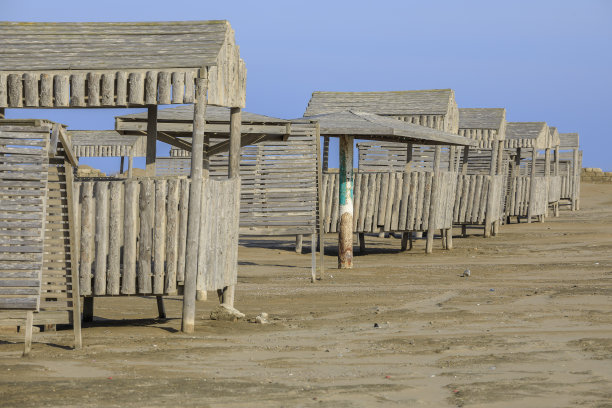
(345, 230)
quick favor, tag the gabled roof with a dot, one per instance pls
(127, 45)
(369, 126)
(553, 137)
(482, 118)
(569, 141)
(527, 134)
(421, 102)
(106, 143)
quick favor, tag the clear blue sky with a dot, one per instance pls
(541, 60)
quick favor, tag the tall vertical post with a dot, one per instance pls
(488, 229)
(320, 203)
(547, 176)
(325, 153)
(195, 205)
(534, 154)
(151, 140)
(466, 155)
(130, 164)
(233, 172)
(345, 232)
(575, 178)
(433, 202)
(407, 169)
(121, 165)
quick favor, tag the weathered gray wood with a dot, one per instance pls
(178, 87)
(115, 241)
(151, 141)
(87, 232)
(101, 239)
(77, 90)
(164, 88)
(136, 88)
(172, 231)
(434, 198)
(298, 243)
(121, 88)
(146, 205)
(128, 284)
(61, 90)
(195, 200)
(108, 89)
(150, 88)
(3, 92)
(532, 191)
(189, 87)
(234, 151)
(159, 237)
(30, 88)
(15, 90)
(93, 88)
(28, 333)
(182, 230)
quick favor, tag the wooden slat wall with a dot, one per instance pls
(278, 182)
(476, 194)
(23, 193)
(554, 189)
(133, 235)
(381, 205)
(518, 200)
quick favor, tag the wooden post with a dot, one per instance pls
(500, 157)
(313, 257)
(76, 295)
(575, 178)
(298, 243)
(345, 231)
(325, 153)
(406, 236)
(121, 165)
(161, 308)
(88, 309)
(362, 244)
(534, 154)
(547, 176)
(28, 333)
(488, 228)
(130, 163)
(433, 201)
(320, 203)
(195, 205)
(151, 140)
(466, 154)
(233, 172)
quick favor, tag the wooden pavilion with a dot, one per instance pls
(279, 167)
(527, 191)
(570, 164)
(110, 65)
(401, 201)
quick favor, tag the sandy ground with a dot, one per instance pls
(531, 327)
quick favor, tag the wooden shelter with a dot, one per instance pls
(569, 167)
(38, 279)
(279, 167)
(382, 201)
(108, 143)
(135, 64)
(527, 189)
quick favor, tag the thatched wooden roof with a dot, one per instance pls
(435, 108)
(106, 143)
(527, 134)
(369, 126)
(45, 53)
(482, 118)
(569, 141)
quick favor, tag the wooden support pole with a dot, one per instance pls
(298, 243)
(320, 203)
(345, 231)
(130, 164)
(121, 165)
(576, 178)
(449, 238)
(151, 140)
(195, 205)
(433, 202)
(233, 172)
(534, 154)
(500, 157)
(466, 154)
(547, 176)
(405, 236)
(488, 228)
(88, 309)
(28, 333)
(161, 308)
(362, 244)
(313, 257)
(325, 153)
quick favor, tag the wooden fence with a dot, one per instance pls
(133, 233)
(518, 199)
(391, 201)
(477, 196)
(554, 189)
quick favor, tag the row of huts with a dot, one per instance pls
(425, 166)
